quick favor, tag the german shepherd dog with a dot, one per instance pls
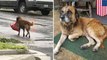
(23, 24)
(73, 26)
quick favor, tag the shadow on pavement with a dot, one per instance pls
(20, 37)
(28, 13)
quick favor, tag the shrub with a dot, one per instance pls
(5, 40)
(11, 46)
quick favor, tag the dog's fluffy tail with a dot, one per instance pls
(31, 24)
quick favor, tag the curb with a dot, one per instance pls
(24, 57)
(32, 55)
(12, 51)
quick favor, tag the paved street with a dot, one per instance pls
(41, 31)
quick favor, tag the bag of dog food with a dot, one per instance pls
(14, 26)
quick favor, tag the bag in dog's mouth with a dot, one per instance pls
(14, 26)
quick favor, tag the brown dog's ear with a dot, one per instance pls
(73, 4)
(68, 4)
(76, 14)
(18, 18)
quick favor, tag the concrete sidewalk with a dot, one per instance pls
(33, 55)
(25, 57)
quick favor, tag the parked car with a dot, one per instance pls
(22, 6)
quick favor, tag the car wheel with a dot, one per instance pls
(45, 12)
(22, 8)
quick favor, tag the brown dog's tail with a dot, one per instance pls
(31, 24)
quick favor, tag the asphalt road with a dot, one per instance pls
(41, 31)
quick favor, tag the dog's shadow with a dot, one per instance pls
(20, 38)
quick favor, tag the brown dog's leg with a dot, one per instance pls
(28, 33)
(75, 35)
(60, 42)
(90, 42)
(23, 32)
(19, 32)
(27, 29)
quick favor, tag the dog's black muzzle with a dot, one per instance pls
(64, 18)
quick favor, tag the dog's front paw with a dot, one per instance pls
(55, 51)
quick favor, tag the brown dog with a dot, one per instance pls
(73, 26)
(23, 24)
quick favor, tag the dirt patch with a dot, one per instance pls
(67, 55)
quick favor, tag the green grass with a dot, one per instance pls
(11, 46)
(5, 40)
(11, 43)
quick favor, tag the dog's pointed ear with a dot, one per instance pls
(76, 14)
(73, 4)
(17, 18)
(68, 4)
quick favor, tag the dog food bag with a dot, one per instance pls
(14, 26)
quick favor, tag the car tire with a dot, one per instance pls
(45, 12)
(22, 8)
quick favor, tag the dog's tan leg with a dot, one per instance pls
(28, 29)
(23, 32)
(28, 33)
(60, 42)
(98, 44)
(92, 34)
(19, 32)
(74, 35)
(91, 42)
